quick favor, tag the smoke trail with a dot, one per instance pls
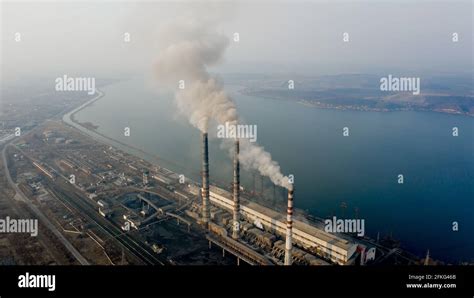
(190, 48)
(252, 156)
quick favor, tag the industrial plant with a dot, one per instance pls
(259, 235)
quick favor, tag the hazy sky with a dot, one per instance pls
(86, 38)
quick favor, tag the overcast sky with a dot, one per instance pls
(86, 38)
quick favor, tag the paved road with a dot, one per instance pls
(40, 214)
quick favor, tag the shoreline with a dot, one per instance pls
(70, 120)
(313, 105)
(71, 113)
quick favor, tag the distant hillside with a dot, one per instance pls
(453, 95)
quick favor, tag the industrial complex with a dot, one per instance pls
(239, 217)
(136, 212)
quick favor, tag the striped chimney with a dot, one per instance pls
(289, 226)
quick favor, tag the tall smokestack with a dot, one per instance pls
(205, 180)
(236, 188)
(289, 226)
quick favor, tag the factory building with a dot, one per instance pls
(332, 247)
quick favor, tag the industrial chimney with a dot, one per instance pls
(236, 194)
(289, 226)
(205, 180)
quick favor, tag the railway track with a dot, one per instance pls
(77, 202)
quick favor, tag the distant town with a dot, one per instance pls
(363, 92)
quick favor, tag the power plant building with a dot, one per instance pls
(332, 247)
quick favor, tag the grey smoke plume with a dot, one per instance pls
(252, 156)
(190, 48)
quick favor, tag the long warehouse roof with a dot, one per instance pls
(297, 224)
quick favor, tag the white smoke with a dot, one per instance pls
(190, 48)
(253, 156)
(204, 101)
